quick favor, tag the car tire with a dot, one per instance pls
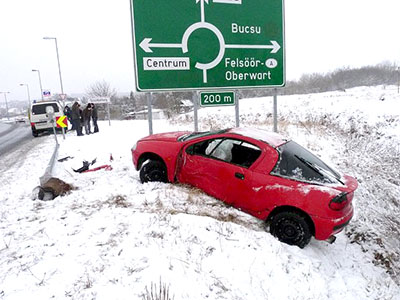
(152, 171)
(35, 133)
(291, 228)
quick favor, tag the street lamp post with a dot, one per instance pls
(5, 98)
(59, 67)
(59, 72)
(29, 96)
(40, 82)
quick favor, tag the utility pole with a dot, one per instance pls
(40, 82)
(59, 73)
(59, 67)
(29, 96)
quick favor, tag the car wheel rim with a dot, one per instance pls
(155, 175)
(290, 231)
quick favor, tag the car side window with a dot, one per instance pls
(239, 152)
(229, 150)
(203, 148)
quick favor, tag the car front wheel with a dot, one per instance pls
(291, 228)
(153, 171)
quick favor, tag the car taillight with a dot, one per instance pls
(339, 202)
(32, 124)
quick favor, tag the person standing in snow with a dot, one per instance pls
(76, 118)
(94, 118)
(87, 115)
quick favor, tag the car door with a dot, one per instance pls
(198, 169)
(211, 166)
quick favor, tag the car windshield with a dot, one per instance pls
(191, 136)
(40, 109)
(298, 163)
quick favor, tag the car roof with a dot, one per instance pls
(271, 138)
(45, 102)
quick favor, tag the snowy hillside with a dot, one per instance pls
(115, 238)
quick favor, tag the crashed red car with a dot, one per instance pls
(259, 172)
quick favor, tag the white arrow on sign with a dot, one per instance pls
(203, 18)
(274, 46)
(146, 45)
(228, 1)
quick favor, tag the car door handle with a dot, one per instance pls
(239, 175)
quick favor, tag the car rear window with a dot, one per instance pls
(40, 109)
(298, 163)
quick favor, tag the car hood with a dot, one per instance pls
(166, 137)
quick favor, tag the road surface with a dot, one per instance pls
(13, 135)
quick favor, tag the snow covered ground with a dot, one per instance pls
(113, 237)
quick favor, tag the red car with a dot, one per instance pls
(258, 172)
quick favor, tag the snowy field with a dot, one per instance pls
(115, 238)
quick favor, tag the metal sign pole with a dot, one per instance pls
(237, 107)
(63, 132)
(149, 113)
(52, 119)
(275, 110)
(62, 96)
(195, 107)
(108, 113)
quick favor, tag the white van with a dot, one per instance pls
(39, 118)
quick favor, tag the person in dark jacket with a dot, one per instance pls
(94, 118)
(87, 115)
(76, 118)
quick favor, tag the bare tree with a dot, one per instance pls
(101, 88)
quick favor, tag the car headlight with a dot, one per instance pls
(134, 147)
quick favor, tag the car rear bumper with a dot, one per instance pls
(325, 228)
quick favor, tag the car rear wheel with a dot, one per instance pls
(291, 228)
(153, 171)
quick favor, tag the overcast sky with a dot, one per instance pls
(94, 40)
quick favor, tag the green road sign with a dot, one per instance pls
(217, 98)
(203, 44)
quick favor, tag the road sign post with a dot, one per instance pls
(206, 44)
(195, 99)
(275, 108)
(150, 112)
(237, 117)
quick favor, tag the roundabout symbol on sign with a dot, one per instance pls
(147, 45)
